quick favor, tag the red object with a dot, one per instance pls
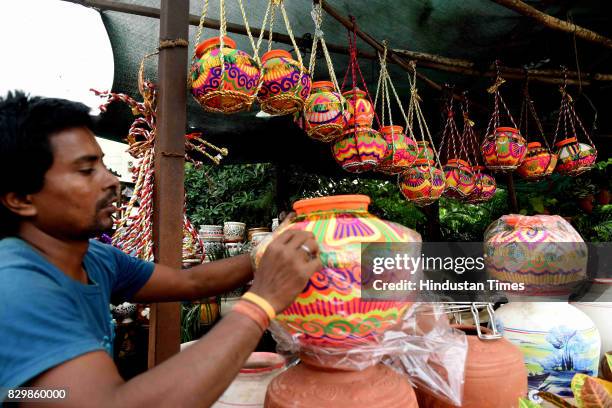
(339, 202)
(566, 141)
(275, 54)
(212, 42)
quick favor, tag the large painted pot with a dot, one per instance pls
(282, 91)
(601, 314)
(425, 151)
(484, 186)
(360, 109)
(326, 112)
(234, 91)
(330, 312)
(402, 151)
(249, 387)
(557, 341)
(495, 374)
(538, 163)
(460, 181)
(359, 149)
(423, 183)
(542, 252)
(504, 149)
(574, 158)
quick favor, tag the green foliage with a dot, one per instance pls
(190, 322)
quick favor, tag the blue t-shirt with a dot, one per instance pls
(47, 318)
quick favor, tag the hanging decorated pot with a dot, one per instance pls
(234, 91)
(538, 163)
(359, 149)
(504, 149)
(425, 151)
(282, 91)
(401, 150)
(557, 341)
(484, 186)
(360, 109)
(329, 311)
(460, 181)
(495, 374)
(423, 182)
(574, 157)
(325, 111)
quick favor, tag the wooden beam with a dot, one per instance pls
(168, 193)
(555, 23)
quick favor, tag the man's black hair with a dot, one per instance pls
(26, 123)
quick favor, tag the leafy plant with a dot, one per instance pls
(190, 322)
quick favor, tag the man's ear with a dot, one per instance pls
(19, 204)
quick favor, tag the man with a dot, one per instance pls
(56, 284)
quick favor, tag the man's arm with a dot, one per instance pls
(209, 279)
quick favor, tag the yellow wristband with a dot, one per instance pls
(261, 302)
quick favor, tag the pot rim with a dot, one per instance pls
(323, 84)
(275, 54)
(507, 129)
(354, 91)
(424, 161)
(211, 42)
(336, 202)
(566, 141)
(532, 145)
(391, 129)
(459, 162)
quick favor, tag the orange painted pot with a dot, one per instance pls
(574, 158)
(423, 183)
(504, 149)
(539, 163)
(460, 180)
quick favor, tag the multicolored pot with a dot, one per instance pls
(360, 109)
(538, 163)
(557, 341)
(330, 312)
(423, 183)
(282, 92)
(460, 180)
(234, 91)
(504, 150)
(484, 186)
(543, 252)
(326, 112)
(495, 374)
(574, 158)
(425, 151)
(359, 149)
(402, 151)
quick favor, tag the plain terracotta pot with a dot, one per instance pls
(495, 374)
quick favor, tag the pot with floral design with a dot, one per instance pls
(504, 149)
(484, 186)
(402, 151)
(360, 109)
(359, 149)
(423, 182)
(460, 180)
(574, 158)
(538, 163)
(325, 112)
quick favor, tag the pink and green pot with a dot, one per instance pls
(326, 112)
(539, 163)
(360, 109)
(423, 182)
(359, 149)
(401, 150)
(460, 180)
(484, 186)
(504, 149)
(574, 158)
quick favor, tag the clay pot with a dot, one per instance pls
(402, 151)
(359, 149)
(234, 231)
(325, 112)
(504, 149)
(282, 92)
(211, 231)
(495, 375)
(484, 186)
(425, 151)
(209, 312)
(234, 91)
(574, 158)
(423, 183)
(256, 230)
(538, 164)
(360, 109)
(460, 181)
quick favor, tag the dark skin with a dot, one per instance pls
(75, 204)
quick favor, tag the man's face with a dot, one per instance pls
(76, 201)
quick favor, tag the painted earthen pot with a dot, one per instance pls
(539, 163)
(542, 252)
(402, 151)
(423, 182)
(460, 180)
(557, 341)
(425, 151)
(325, 112)
(484, 186)
(283, 91)
(234, 91)
(360, 109)
(504, 149)
(330, 312)
(574, 158)
(495, 374)
(601, 314)
(359, 149)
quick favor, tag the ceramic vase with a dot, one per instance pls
(402, 151)
(601, 315)
(542, 252)
(360, 109)
(539, 163)
(495, 374)
(425, 151)
(484, 186)
(211, 231)
(283, 92)
(234, 231)
(232, 92)
(504, 149)
(423, 182)
(212, 246)
(574, 158)
(359, 149)
(460, 181)
(557, 341)
(325, 112)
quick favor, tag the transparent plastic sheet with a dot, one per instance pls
(337, 329)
